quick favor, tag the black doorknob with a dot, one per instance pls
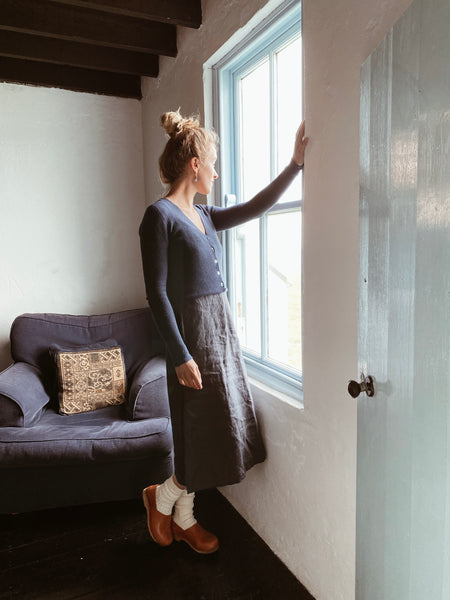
(366, 385)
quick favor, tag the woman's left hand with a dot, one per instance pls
(189, 375)
(300, 144)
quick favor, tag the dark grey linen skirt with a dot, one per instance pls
(215, 431)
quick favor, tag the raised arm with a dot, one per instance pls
(231, 216)
(154, 248)
(224, 218)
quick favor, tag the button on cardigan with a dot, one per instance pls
(180, 261)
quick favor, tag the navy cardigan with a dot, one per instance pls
(180, 261)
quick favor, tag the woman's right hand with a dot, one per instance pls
(189, 375)
(300, 144)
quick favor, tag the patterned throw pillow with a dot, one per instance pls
(90, 378)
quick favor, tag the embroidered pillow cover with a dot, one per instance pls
(90, 378)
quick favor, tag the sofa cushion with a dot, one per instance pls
(22, 396)
(90, 377)
(99, 436)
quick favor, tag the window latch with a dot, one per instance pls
(230, 200)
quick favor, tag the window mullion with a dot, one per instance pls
(264, 286)
(264, 279)
(273, 117)
(234, 116)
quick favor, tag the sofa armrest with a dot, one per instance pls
(147, 397)
(22, 396)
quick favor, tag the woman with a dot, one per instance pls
(216, 435)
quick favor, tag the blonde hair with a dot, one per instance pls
(186, 140)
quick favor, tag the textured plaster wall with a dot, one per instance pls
(71, 198)
(302, 500)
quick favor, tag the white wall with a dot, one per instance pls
(302, 500)
(71, 199)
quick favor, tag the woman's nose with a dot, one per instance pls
(215, 174)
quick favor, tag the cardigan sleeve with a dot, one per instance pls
(231, 216)
(154, 239)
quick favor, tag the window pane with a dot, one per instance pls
(284, 288)
(255, 174)
(255, 130)
(247, 285)
(289, 113)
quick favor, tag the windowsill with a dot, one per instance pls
(276, 383)
(294, 401)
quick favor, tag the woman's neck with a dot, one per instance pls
(183, 195)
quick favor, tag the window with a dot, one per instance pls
(259, 91)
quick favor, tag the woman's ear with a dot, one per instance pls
(195, 163)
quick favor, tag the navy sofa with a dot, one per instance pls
(48, 459)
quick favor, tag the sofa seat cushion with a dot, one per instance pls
(100, 436)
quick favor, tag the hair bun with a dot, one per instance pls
(174, 123)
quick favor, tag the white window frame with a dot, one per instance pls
(277, 29)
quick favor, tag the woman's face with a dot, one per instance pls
(207, 172)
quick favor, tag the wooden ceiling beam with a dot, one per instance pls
(75, 54)
(187, 13)
(82, 25)
(70, 78)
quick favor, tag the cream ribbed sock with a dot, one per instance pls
(184, 510)
(166, 495)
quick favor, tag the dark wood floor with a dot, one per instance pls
(104, 552)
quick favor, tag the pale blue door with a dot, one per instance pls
(403, 487)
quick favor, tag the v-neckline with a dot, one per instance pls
(190, 220)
